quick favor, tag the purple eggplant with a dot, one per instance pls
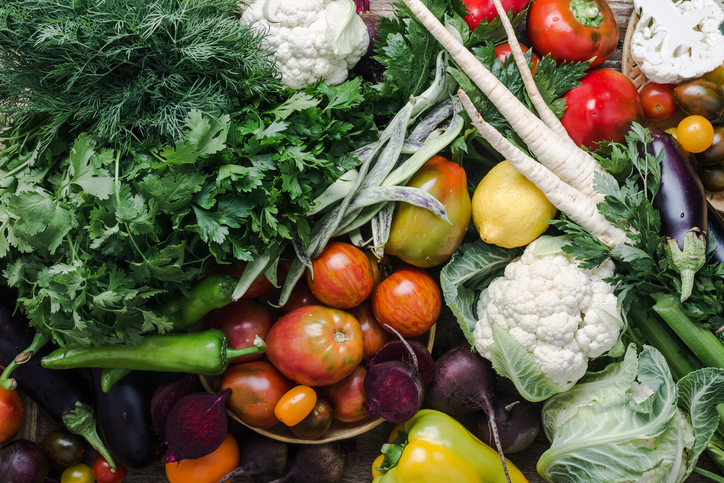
(715, 226)
(64, 395)
(681, 202)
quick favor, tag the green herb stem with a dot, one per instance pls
(702, 342)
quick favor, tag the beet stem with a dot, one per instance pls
(494, 429)
(409, 348)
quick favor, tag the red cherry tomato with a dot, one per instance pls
(409, 301)
(258, 288)
(341, 276)
(349, 397)
(12, 414)
(482, 9)
(602, 108)
(242, 321)
(695, 133)
(300, 297)
(503, 51)
(103, 473)
(373, 334)
(658, 101)
(315, 345)
(295, 405)
(256, 388)
(553, 28)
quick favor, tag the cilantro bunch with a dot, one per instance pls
(92, 237)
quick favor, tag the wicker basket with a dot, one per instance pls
(630, 69)
(337, 431)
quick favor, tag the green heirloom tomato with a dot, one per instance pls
(417, 236)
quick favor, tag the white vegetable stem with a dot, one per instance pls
(558, 153)
(579, 207)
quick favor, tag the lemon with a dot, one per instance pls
(508, 210)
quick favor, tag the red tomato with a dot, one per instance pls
(103, 473)
(409, 301)
(602, 108)
(300, 297)
(12, 414)
(349, 397)
(207, 469)
(658, 101)
(256, 388)
(503, 51)
(315, 345)
(481, 9)
(341, 276)
(241, 321)
(554, 29)
(258, 288)
(373, 334)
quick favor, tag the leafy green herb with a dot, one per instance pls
(93, 236)
(125, 70)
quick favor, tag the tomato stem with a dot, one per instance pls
(586, 12)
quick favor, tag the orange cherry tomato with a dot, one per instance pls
(295, 405)
(695, 133)
(207, 469)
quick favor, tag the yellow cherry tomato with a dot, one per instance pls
(295, 405)
(79, 473)
(695, 133)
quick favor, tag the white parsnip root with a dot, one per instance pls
(579, 207)
(556, 152)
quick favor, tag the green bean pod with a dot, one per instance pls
(206, 353)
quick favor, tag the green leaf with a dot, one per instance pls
(89, 177)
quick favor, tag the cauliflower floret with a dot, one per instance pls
(674, 41)
(310, 40)
(553, 309)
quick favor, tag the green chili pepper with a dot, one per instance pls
(207, 353)
(209, 293)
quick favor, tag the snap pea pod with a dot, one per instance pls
(206, 353)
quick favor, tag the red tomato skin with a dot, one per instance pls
(503, 51)
(373, 334)
(300, 297)
(349, 397)
(409, 301)
(12, 414)
(481, 9)
(241, 321)
(601, 108)
(315, 345)
(103, 474)
(658, 101)
(342, 277)
(552, 28)
(256, 388)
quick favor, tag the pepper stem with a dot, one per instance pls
(586, 12)
(82, 421)
(258, 347)
(688, 261)
(393, 452)
(7, 382)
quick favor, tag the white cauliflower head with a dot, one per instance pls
(674, 41)
(554, 309)
(311, 40)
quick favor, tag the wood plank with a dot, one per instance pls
(358, 463)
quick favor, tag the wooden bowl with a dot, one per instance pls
(337, 431)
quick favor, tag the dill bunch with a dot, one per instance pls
(127, 69)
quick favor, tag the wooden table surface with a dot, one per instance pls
(366, 447)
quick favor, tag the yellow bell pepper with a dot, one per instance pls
(433, 447)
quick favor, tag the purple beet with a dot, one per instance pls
(23, 461)
(262, 459)
(316, 463)
(196, 426)
(369, 68)
(395, 390)
(167, 395)
(396, 350)
(465, 383)
(518, 423)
